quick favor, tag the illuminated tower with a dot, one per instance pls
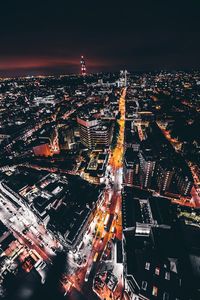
(83, 66)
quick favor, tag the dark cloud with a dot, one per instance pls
(49, 36)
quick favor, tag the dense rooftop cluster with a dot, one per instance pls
(105, 168)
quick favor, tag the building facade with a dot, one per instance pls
(92, 133)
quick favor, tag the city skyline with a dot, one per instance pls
(100, 150)
(100, 186)
(48, 38)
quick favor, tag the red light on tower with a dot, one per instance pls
(83, 66)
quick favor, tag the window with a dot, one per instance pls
(167, 275)
(147, 266)
(144, 285)
(155, 291)
(157, 271)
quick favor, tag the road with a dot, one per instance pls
(97, 239)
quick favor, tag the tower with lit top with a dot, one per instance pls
(83, 66)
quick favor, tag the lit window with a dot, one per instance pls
(147, 266)
(155, 291)
(167, 275)
(157, 271)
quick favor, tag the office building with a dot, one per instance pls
(92, 133)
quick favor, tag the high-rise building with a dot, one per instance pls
(147, 165)
(174, 163)
(183, 176)
(184, 183)
(122, 82)
(165, 173)
(131, 137)
(92, 132)
(147, 229)
(131, 166)
(83, 66)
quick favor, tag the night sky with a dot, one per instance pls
(48, 37)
